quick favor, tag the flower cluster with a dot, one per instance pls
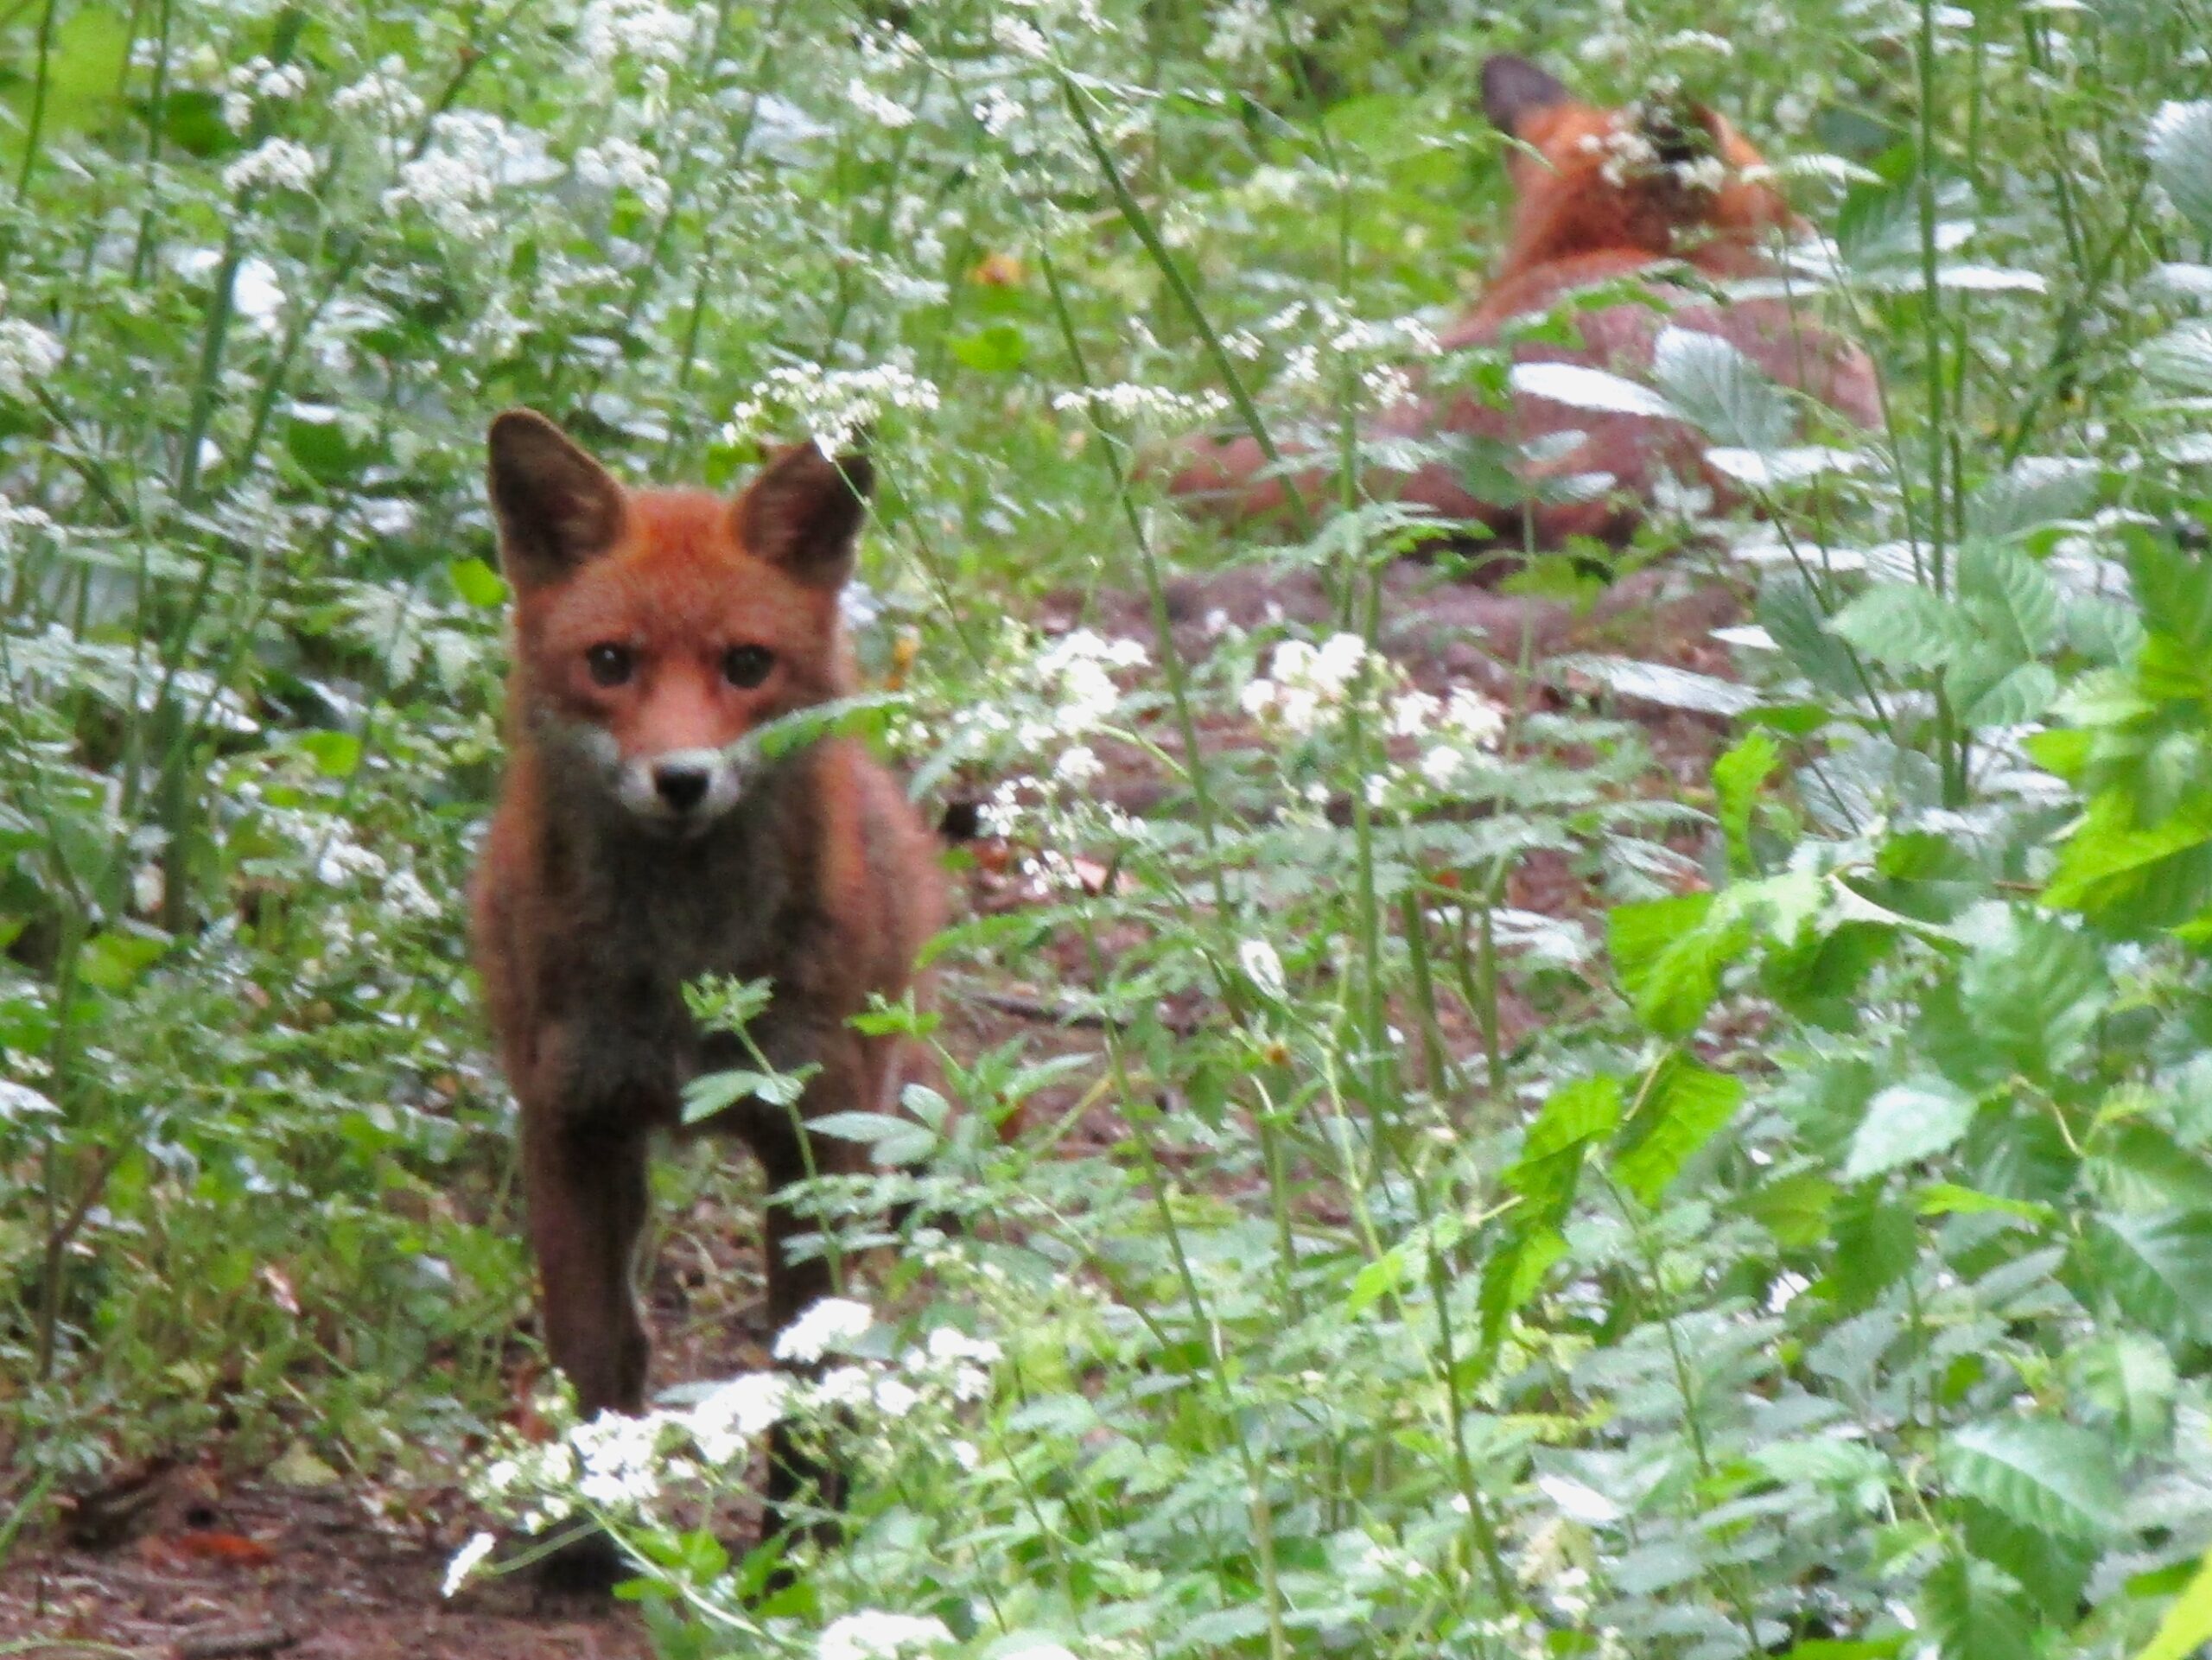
(28, 355)
(1309, 690)
(472, 155)
(619, 1467)
(832, 405)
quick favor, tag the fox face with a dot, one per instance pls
(1664, 176)
(657, 630)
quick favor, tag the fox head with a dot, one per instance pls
(1666, 176)
(656, 630)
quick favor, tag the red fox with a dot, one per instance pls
(1600, 195)
(641, 840)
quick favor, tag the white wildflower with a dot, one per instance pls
(999, 113)
(1443, 765)
(874, 1635)
(342, 859)
(1699, 40)
(966, 1455)
(832, 404)
(895, 1398)
(644, 30)
(844, 1386)
(1020, 37)
(618, 164)
(1412, 713)
(274, 164)
(466, 1560)
(884, 112)
(1474, 719)
(949, 1345)
(618, 1456)
(1131, 400)
(724, 1424)
(383, 91)
(28, 355)
(472, 155)
(1077, 766)
(829, 1323)
(1262, 967)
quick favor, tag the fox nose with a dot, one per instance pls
(683, 784)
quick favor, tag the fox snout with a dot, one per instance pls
(682, 790)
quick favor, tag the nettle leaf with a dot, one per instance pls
(2181, 359)
(2019, 696)
(1736, 776)
(2174, 590)
(2039, 490)
(1719, 390)
(1790, 611)
(2043, 1473)
(2128, 1382)
(1573, 1119)
(1906, 626)
(1907, 1122)
(2180, 149)
(1977, 1611)
(2051, 1570)
(1678, 1114)
(2034, 999)
(2135, 877)
(1580, 387)
(2155, 1267)
(2012, 595)
(1669, 960)
(1662, 683)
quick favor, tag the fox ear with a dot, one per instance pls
(803, 512)
(556, 506)
(1513, 89)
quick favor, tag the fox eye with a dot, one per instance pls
(610, 664)
(748, 665)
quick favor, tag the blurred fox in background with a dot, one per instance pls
(1600, 195)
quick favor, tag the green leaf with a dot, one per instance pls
(705, 1096)
(2019, 696)
(2188, 1625)
(1678, 1115)
(2046, 1474)
(1572, 1118)
(997, 350)
(2130, 878)
(1736, 776)
(1905, 627)
(1719, 390)
(1794, 1209)
(1977, 1611)
(2157, 1268)
(2127, 1381)
(1906, 1122)
(890, 1139)
(84, 73)
(2033, 998)
(2180, 149)
(335, 754)
(1790, 610)
(1669, 961)
(478, 584)
(114, 958)
(2013, 596)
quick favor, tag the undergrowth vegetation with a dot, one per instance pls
(1799, 1241)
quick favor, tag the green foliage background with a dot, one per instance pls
(1826, 1270)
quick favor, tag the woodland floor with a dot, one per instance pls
(178, 1563)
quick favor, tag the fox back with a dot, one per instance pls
(645, 837)
(1599, 195)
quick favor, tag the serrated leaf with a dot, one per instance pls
(1905, 627)
(2013, 595)
(1580, 387)
(2033, 996)
(1790, 610)
(1669, 960)
(2046, 1474)
(2020, 695)
(2157, 1268)
(478, 584)
(2128, 1380)
(1574, 1118)
(2180, 149)
(1678, 1114)
(1662, 683)
(1906, 1122)
(2182, 359)
(1735, 780)
(1719, 390)
(2037, 491)
(1977, 1611)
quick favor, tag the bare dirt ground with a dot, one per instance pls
(176, 1564)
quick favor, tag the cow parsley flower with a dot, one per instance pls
(274, 164)
(832, 404)
(872, 1634)
(884, 112)
(28, 355)
(619, 1456)
(826, 1324)
(724, 1425)
(618, 164)
(644, 30)
(1262, 967)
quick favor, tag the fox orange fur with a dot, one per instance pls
(641, 840)
(1600, 195)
